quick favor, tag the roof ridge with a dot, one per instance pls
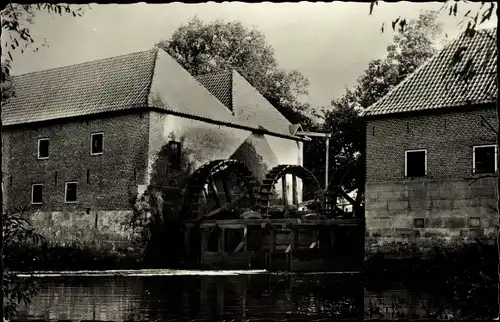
(154, 49)
(458, 40)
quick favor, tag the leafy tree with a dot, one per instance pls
(18, 234)
(410, 48)
(212, 47)
(16, 21)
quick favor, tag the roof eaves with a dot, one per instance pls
(258, 129)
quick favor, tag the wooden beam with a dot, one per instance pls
(222, 245)
(314, 134)
(284, 192)
(211, 184)
(295, 193)
(239, 247)
(245, 239)
(226, 189)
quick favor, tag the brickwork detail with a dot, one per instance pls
(105, 181)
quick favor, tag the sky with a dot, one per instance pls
(329, 43)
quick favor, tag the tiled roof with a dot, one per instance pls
(247, 104)
(463, 73)
(110, 84)
(148, 79)
(220, 85)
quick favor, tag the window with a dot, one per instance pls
(415, 163)
(174, 154)
(418, 222)
(37, 194)
(484, 159)
(71, 192)
(43, 148)
(96, 143)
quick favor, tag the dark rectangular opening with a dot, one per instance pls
(37, 193)
(485, 159)
(174, 154)
(71, 191)
(418, 222)
(97, 142)
(43, 148)
(474, 222)
(416, 163)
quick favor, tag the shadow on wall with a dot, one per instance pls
(156, 213)
(258, 163)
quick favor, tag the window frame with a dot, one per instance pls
(32, 193)
(474, 157)
(406, 162)
(38, 150)
(66, 192)
(91, 141)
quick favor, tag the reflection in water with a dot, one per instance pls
(237, 297)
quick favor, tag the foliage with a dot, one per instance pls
(213, 47)
(156, 212)
(409, 49)
(474, 19)
(18, 18)
(18, 235)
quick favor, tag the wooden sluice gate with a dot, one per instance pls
(284, 222)
(278, 245)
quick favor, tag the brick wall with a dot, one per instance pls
(110, 175)
(445, 199)
(99, 217)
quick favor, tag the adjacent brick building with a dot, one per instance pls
(80, 141)
(431, 151)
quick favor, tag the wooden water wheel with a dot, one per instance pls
(220, 189)
(273, 202)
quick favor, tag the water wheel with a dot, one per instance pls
(272, 202)
(220, 189)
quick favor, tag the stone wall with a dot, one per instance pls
(447, 207)
(99, 230)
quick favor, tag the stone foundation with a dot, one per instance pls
(99, 230)
(420, 242)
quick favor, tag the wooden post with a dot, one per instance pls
(222, 236)
(204, 236)
(284, 192)
(187, 241)
(294, 190)
(245, 242)
(292, 246)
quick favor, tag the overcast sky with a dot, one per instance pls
(330, 43)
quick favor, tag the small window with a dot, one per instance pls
(71, 191)
(484, 159)
(96, 143)
(418, 222)
(37, 194)
(174, 154)
(43, 148)
(416, 163)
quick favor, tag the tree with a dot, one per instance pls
(16, 20)
(207, 48)
(409, 49)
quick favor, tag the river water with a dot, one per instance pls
(233, 296)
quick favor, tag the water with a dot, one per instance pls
(171, 295)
